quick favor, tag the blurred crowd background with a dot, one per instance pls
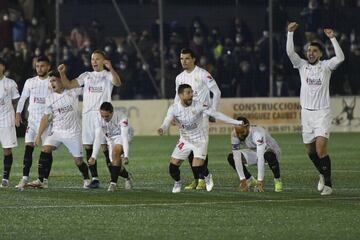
(230, 39)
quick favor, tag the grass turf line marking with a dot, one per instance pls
(180, 204)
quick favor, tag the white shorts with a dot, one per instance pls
(117, 140)
(251, 157)
(314, 124)
(8, 137)
(32, 130)
(90, 121)
(183, 149)
(72, 143)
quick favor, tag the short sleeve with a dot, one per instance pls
(81, 78)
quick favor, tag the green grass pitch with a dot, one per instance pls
(151, 211)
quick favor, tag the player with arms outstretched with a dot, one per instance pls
(188, 115)
(202, 83)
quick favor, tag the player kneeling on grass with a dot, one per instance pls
(252, 145)
(188, 115)
(115, 127)
(62, 108)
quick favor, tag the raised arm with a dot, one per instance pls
(65, 81)
(294, 57)
(339, 54)
(115, 76)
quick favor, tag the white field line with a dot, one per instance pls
(141, 205)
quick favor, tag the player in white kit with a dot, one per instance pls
(253, 145)
(202, 83)
(62, 106)
(188, 115)
(114, 126)
(315, 101)
(97, 88)
(8, 97)
(36, 89)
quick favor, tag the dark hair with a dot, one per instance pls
(182, 87)
(2, 62)
(100, 52)
(318, 45)
(54, 73)
(43, 58)
(106, 106)
(244, 120)
(188, 51)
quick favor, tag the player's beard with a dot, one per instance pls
(42, 75)
(188, 102)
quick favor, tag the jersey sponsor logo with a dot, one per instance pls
(65, 109)
(313, 81)
(39, 100)
(189, 126)
(95, 89)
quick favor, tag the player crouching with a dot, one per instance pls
(115, 127)
(252, 145)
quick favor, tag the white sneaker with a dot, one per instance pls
(209, 182)
(4, 183)
(112, 187)
(321, 183)
(326, 191)
(36, 184)
(22, 183)
(129, 182)
(86, 183)
(45, 183)
(177, 187)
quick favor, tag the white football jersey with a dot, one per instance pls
(97, 88)
(117, 127)
(201, 83)
(64, 109)
(118, 122)
(8, 92)
(258, 136)
(36, 90)
(315, 79)
(189, 119)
